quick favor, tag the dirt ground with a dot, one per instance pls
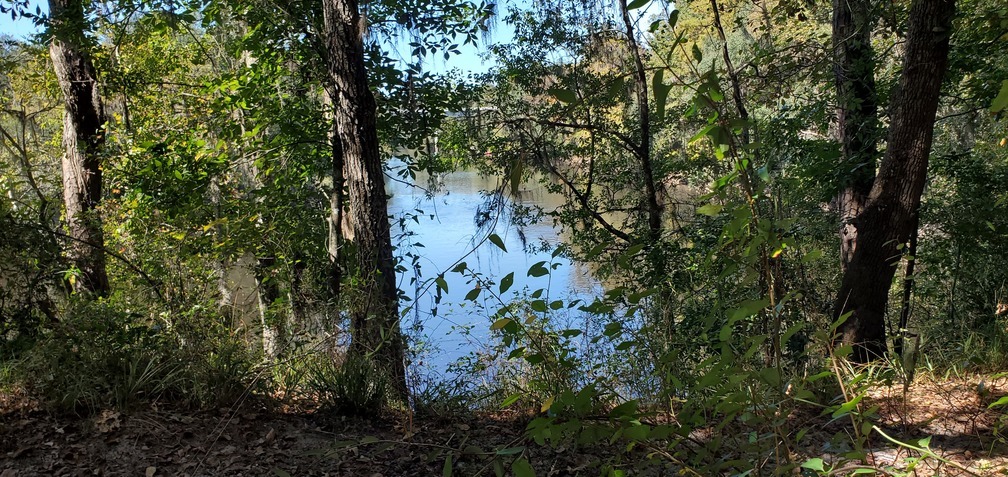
(259, 439)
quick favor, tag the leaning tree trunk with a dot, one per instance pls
(887, 219)
(374, 309)
(83, 139)
(857, 113)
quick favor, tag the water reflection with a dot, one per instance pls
(439, 228)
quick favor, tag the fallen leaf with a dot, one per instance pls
(150, 471)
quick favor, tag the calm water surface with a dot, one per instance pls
(447, 232)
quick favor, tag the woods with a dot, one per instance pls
(710, 237)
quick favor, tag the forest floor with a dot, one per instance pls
(260, 439)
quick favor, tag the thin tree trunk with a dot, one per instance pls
(274, 334)
(83, 141)
(374, 312)
(888, 215)
(296, 296)
(655, 253)
(857, 114)
(908, 282)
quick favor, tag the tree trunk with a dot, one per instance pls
(887, 218)
(644, 123)
(83, 140)
(857, 114)
(374, 311)
(274, 334)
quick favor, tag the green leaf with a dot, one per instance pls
(473, 294)
(563, 95)
(517, 169)
(1001, 101)
(710, 209)
(538, 306)
(506, 282)
(673, 18)
(1000, 402)
(815, 464)
(746, 309)
(447, 470)
(635, 4)
(791, 331)
(615, 88)
(661, 92)
(847, 407)
(812, 256)
(538, 269)
(496, 240)
(441, 283)
(501, 323)
(628, 408)
(507, 402)
(697, 54)
(522, 468)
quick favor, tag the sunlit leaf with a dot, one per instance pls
(507, 402)
(1001, 101)
(1000, 402)
(547, 404)
(710, 209)
(815, 464)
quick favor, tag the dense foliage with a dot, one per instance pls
(695, 147)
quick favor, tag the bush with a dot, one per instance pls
(352, 387)
(101, 356)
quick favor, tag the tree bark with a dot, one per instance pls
(857, 114)
(374, 311)
(83, 141)
(274, 336)
(887, 219)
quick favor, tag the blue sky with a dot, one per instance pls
(22, 27)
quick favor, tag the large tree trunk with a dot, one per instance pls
(374, 309)
(887, 219)
(857, 113)
(83, 140)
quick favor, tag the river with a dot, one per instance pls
(446, 231)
